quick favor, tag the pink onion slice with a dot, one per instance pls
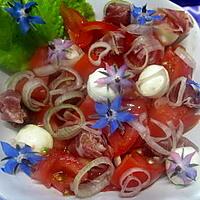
(127, 177)
(107, 48)
(46, 70)
(14, 79)
(27, 91)
(83, 190)
(137, 29)
(185, 57)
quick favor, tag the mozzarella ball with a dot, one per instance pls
(153, 82)
(36, 137)
(195, 160)
(97, 92)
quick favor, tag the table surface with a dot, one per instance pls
(192, 6)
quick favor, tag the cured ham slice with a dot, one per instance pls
(10, 107)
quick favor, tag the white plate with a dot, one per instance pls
(21, 187)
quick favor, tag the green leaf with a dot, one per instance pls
(83, 7)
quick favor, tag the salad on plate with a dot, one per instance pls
(98, 105)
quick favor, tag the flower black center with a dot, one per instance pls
(178, 169)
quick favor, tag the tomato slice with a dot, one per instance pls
(39, 58)
(98, 25)
(137, 160)
(84, 67)
(58, 169)
(72, 18)
(175, 66)
(165, 113)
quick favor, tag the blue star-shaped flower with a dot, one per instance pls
(21, 13)
(193, 83)
(19, 158)
(117, 79)
(112, 114)
(144, 16)
(182, 167)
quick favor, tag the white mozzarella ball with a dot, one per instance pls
(153, 82)
(195, 160)
(95, 91)
(36, 137)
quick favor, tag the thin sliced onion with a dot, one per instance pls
(83, 190)
(185, 57)
(78, 80)
(167, 130)
(137, 29)
(136, 69)
(67, 132)
(73, 55)
(182, 81)
(27, 91)
(46, 70)
(14, 79)
(105, 52)
(160, 101)
(127, 177)
(185, 142)
(69, 96)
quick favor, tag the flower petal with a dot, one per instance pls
(191, 173)
(116, 104)
(176, 157)
(125, 82)
(36, 20)
(125, 117)
(104, 81)
(121, 71)
(113, 125)
(141, 20)
(136, 11)
(101, 108)
(110, 70)
(150, 12)
(34, 158)
(10, 166)
(187, 159)
(25, 149)
(9, 150)
(12, 12)
(29, 5)
(26, 169)
(156, 17)
(101, 123)
(24, 24)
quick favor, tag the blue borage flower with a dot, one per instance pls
(20, 157)
(193, 83)
(21, 13)
(112, 114)
(182, 167)
(144, 16)
(116, 78)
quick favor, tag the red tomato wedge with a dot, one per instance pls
(167, 113)
(175, 66)
(84, 67)
(39, 58)
(58, 169)
(136, 160)
(98, 25)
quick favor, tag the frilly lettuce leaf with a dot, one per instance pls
(16, 48)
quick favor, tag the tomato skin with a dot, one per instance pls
(122, 143)
(58, 162)
(84, 67)
(136, 160)
(165, 113)
(39, 58)
(98, 25)
(175, 66)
